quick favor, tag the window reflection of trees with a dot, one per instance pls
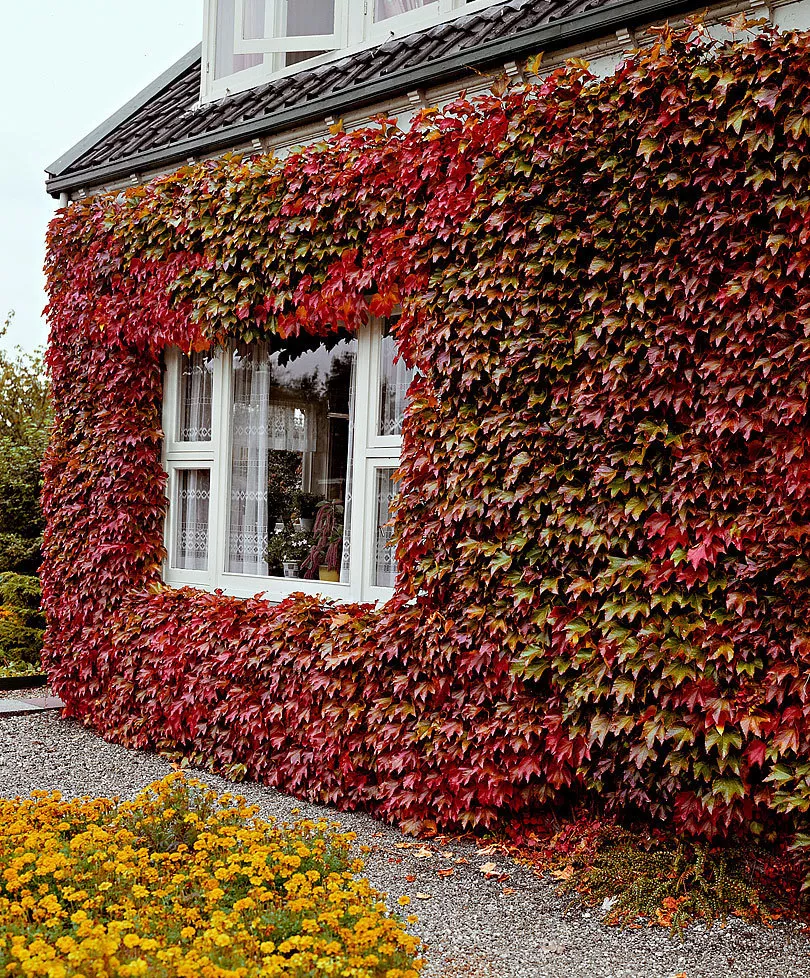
(315, 382)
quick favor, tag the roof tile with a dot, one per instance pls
(174, 115)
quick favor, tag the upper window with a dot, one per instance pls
(282, 465)
(247, 41)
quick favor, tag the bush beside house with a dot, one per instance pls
(603, 523)
(24, 426)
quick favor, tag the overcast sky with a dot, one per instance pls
(65, 67)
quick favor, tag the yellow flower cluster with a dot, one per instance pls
(180, 883)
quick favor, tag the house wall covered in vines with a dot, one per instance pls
(603, 521)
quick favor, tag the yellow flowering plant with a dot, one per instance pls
(182, 882)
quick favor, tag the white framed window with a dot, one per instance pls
(246, 42)
(282, 466)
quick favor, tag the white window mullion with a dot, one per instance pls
(221, 468)
(362, 414)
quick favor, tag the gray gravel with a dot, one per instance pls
(471, 926)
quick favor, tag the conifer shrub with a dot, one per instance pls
(22, 624)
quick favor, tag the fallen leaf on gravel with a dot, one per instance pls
(403, 845)
(462, 861)
(445, 855)
(395, 859)
(508, 891)
(411, 879)
(445, 872)
(422, 896)
(563, 874)
(487, 869)
(423, 854)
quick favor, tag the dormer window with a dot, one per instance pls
(249, 41)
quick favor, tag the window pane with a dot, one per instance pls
(383, 9)
(191, 507)
(385, 562)
(196, 387)
(395, 379)
(308, 17)
(225, 61)
(291, 428)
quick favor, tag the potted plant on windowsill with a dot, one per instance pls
(307, 505)
(285, 551)
(324, 557)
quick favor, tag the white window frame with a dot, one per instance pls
(370, 452)
(275, 12)
(355, 29)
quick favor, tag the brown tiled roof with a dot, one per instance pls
(165, 122)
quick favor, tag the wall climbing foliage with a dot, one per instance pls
(604, 521)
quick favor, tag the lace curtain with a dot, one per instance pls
(196, 390)
(290, 428)
(250, 441)
(347, 504)
(385, 561)
(192, 506)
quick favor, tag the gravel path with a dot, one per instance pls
(475, 927)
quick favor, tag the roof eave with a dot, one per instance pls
(557, 34)
(153, 89)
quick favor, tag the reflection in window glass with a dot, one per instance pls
(385, 561)
(192, 505)
(308, 17)
(395, 379)
(225, 61)
(196, 391)
(290, 442)
(304, 19)
(383, 9)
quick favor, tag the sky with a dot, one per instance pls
(65, 67)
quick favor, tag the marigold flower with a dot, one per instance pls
(55, 854)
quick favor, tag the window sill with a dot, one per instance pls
(275, 589)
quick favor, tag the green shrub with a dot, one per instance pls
(22, 623)
(20, 590)
(25, 421)
(671, 881)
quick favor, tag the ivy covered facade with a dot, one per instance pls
(598, 292)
